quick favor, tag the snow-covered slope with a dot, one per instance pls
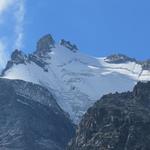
(75, 79)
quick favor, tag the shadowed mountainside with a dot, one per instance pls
(116, 122)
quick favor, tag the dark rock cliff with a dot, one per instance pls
(116, 122)
(30, 118)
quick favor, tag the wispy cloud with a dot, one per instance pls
(3, 53)
(19, 25)
(18, 13)
(4, 4)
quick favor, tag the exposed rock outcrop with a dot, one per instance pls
(30, 118)
(146, 65)
(116, 122)
(119, 58)
(68, 45)
(17, 57)
(44, 45)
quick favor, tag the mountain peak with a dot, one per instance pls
(119, 58)
(18, 57)
(44, 45)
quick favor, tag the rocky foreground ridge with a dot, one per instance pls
(31, 119)
(116, 122)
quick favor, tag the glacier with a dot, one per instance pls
(76, 80)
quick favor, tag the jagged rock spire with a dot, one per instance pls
(44, 45)
(68, 45)
(18, 57)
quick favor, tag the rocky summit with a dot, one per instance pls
(119, 58)
(75, 79)
(116, 122)
(44, 45)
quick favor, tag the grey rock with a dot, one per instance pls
(119, 58)
(146, 65)
(30, 118)
(39, 61)
(116, 122)
(68, 45)
(44, 45)
(17, 57)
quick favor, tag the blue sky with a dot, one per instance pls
(97, 27)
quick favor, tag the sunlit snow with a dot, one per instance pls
(78, 80)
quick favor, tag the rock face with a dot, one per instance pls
(119, 58)
(44, 45)
(68, 45)
(30, 118)
(17, 57)
(116, 122)
(146, 65)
